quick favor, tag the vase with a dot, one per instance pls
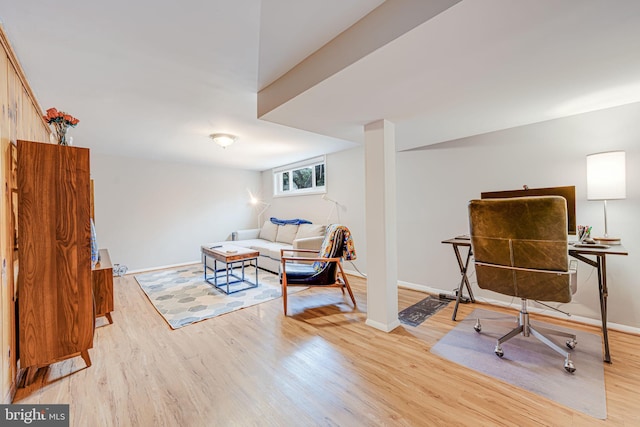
(62, 135)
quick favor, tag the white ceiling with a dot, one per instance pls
(153, 78)
(482, 66)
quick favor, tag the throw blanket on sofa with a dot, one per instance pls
(348, 248)
(296, 221)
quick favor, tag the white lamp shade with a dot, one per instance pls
(606, 176)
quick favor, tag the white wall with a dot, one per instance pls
(152, 213)
(345, 185)
(436, 183)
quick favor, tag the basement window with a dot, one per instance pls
(306, 177)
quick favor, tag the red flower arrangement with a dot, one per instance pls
(61, 122)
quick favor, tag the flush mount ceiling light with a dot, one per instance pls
(223, 139)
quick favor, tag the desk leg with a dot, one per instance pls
(601, 265)
(464, 281)
(604, 293)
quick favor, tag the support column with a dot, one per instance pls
(380, 218)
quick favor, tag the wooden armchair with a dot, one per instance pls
(325, 269)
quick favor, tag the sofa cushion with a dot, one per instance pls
(286, 233)
(248, 243)
(274, 253)
(269, 231)
(268, 249)
(310, 230)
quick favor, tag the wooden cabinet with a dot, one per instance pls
(55, 296)
(102, 277)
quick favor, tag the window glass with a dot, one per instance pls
(302, 178)
(306, 177)
(320, 175)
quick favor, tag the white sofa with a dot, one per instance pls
(271, 238)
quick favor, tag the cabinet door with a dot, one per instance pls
(54, 281)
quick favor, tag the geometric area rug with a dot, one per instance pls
(182, 296)
(530, 364)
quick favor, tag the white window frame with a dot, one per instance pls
(278, 191)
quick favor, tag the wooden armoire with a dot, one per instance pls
(55, 299)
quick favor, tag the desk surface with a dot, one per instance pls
(457, 241)
(611, 250)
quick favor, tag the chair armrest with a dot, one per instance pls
(301, 258)
(573, 275)
(309, 251)
(252, 233)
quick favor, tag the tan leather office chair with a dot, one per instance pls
(520, 249)
(325, 269)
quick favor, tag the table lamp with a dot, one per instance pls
(606, 181)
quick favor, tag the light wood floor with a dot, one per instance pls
(320, 366)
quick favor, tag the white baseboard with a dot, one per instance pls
(383, 326)
(162, 267)
(577, 319)
(354, 273)
(374, 324)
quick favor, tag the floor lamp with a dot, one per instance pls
(606, 180)
(335, 207)
(257, 204)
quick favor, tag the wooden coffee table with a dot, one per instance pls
(231, 256)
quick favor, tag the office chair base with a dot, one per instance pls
(507, 324)
(524, 327)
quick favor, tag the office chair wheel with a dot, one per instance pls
(568, 366)
(498, 351)
(477, 327)
(572, 343)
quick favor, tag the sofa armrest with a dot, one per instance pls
(314, 243)
(306, 247)
(253, 233)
